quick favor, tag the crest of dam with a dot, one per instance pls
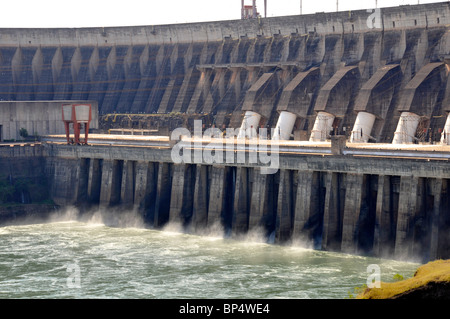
(373, 76)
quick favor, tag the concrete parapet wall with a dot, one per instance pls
(425, 16)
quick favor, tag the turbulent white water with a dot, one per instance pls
(73, 259)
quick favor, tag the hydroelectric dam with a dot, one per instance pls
(356, 104)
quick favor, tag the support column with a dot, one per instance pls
(382, 230)
(141, 174)
(83, 181)
(116, 183)
(406, 211)
(241, 201)
(218, 190)
(163, 194)
(352, 209)
(128, 184)
(181, 194)
(306, 217)
(201, 195)
(285, 207)
(146, 191)
(435, 218)
(331, 216)
(260, 206)
(95, 179)
(105, 191)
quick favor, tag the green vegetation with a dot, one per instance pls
(23, 132)
(356, 291)
(24, 190)
(398, 277)
(6, 191)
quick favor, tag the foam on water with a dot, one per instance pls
(144, 263)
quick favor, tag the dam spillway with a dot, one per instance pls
(377, 75)
(382, 200)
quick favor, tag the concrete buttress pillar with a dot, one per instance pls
(285, 207)
(146, 191)
(105, 191)
(435, 218)
(352, 209)
(383, 228)
(306, 205)
(406, 212)
(63, 186)
(116, 182)
(217, 195)
(163, 194)
(331, 235)
(83, 181)
(182, 193)
(95, 179)
(141, 174)
(260, 206)
(201, 192)
(128, 184)
(241, 201)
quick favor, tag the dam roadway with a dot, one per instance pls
(385, 200)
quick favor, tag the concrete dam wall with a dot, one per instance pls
(382, 62)
(375, 76)
(392, 207)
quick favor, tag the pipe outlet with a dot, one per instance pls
(322, 127)
(249, 125)
(284, 127)
(362, 127)
(406, 128)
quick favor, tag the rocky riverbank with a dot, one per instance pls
(431, 281)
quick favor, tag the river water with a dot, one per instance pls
(74, 259)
